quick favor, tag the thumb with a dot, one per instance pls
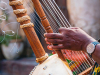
(62, 29)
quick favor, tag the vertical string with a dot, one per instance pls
(57, 19)
(62, 20)
(61, 14)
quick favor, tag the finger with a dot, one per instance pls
(49, 47)
(48, 43)
(54, 41)
(58, 47)
(74, 27)
(53, 35)
(63, 51)
(53, 52)
(61, 29)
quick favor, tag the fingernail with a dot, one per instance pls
(45, 39)
(49, 47)
(44, 34)
(48, 43)
(53, 52)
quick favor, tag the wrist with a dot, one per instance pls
(87, 43)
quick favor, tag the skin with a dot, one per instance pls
(72, 38)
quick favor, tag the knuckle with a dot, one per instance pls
(70, 30)
(77, 28)
(53, 35)
(48, 40)
(59, 29)
(55, 41)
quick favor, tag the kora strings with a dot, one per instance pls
(57, 19)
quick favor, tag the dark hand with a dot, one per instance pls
(69, 38)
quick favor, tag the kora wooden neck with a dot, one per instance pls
(45, 23)
(30, 34)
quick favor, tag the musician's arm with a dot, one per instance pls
(72, 39)
(96, 54)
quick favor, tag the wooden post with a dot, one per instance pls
(30, 34)
(45, 23)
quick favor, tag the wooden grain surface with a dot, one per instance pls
(45, 23)
(31, 34)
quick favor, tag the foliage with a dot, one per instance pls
(6, 39)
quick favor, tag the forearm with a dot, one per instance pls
(96, 54)
(72, 39)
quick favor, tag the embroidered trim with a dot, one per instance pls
(24, 18)
(42, 58)
(27, 25)
(20, 11)
(18, 2)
